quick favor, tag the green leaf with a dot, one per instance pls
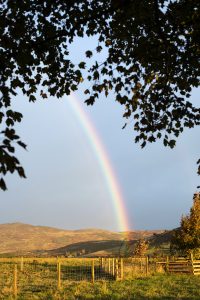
(21, 173)
(9, 122)
(22, 144)
(2, 184)
(99, 49)
(88, 53)
(82, 65)
(32, 98)
(172, 143)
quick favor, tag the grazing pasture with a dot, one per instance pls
(85, 278)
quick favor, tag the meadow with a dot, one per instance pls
(72, 279)
(154, 287)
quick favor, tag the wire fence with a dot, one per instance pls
(32, 275)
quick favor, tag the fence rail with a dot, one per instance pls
(36, 275)
(196, 266)
(182, 265)
(31, 275)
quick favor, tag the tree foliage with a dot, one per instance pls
(152, 62)
(141, 247)
(187, 237)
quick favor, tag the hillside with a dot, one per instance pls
(159, 243)
(19, 238)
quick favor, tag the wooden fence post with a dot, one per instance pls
(155, 266)
(59, 274)
(147, 265)
(167, 264)
(22, 264)
(121, 269)
(192, 258)
(15, 281)
(113, 267)
(116, 269)
(92, 272)
(101, 262)
(109, 265)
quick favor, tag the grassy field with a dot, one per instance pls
(39, 280)
(154, 287)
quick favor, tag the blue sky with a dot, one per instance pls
(65, 187)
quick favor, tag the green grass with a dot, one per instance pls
(155, 287)
(39, 281)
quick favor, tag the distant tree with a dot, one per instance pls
(75, 254)
(141, 247)
(82, 252)
(151, 64)
(187, 237)
(67, 253)
(125, 248)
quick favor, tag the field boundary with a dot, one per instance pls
(182, 265)
(23, 275)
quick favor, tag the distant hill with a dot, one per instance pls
(19, 238)
(159, 243)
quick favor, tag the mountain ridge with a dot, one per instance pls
(20, 237)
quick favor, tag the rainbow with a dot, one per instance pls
(104, 162)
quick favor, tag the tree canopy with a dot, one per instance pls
(141, 247)
(151, 67)
(187, 237)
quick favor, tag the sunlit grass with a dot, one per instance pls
(39, 281)
(154, 287)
